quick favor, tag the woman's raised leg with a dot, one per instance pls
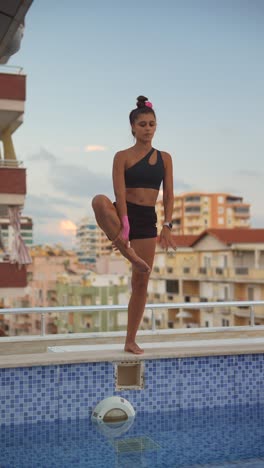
(108, 220)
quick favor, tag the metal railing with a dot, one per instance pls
(43, 311)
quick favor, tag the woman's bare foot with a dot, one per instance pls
(132, 347)
(131, 255)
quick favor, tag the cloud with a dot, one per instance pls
(249, 173)
(63, 201)
(43, 155)
(91, 148)
(181, 186)
(71, 149)
(40, 207)
(53, 233)
(68, 227)
(79, 181)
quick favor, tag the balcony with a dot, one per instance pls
(12, 186)
(193, 213)
(12, 99)
(12, 280)
(241, 214)
(241, 271)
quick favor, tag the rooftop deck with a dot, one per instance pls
(52, 350)
(24, 351)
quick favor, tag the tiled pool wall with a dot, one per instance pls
(71, 391)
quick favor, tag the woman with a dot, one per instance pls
(130, 222)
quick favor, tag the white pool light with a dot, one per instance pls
(112, 410)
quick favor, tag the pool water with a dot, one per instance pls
(215, 437)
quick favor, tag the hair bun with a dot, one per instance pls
(141, 101)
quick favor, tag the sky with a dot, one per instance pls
(199, 62)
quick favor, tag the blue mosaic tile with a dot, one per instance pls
(82, 386)
(206, 437)
(29, 394)
(248, 376)
(207, 381)
(71, 391)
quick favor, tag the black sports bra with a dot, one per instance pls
(145, 175)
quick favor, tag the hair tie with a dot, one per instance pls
(148, 104)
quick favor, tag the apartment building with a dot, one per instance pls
(50, 264)
(91, 241)
(193, 212)
(95, 289)
(12, 175)
(13, 275)
(218, 265)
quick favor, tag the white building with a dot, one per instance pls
(91, 241)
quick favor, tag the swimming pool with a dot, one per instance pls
(230, 436)
(192, 410)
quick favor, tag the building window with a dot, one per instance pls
(192, 209)
(220, 220)
(192, 198)
(207, 324)
(172, 286)
(225, 323)
(241, 209)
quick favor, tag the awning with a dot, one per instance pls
(246, 314)
(184, 314)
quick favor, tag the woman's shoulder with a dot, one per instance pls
(165, 156)
(122, 154)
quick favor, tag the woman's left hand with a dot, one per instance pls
(166, 239)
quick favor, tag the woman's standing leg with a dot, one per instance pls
(108, 220)
(145, 248)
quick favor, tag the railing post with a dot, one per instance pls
(153, 322)
(43, 324)
(252, 316)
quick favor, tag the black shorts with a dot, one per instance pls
(142, 220)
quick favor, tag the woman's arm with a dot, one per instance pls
(168, 200)
(120, 192)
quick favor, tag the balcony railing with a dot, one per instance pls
(213, 273)
(10, 163)
(241, 271)
(43, 311)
